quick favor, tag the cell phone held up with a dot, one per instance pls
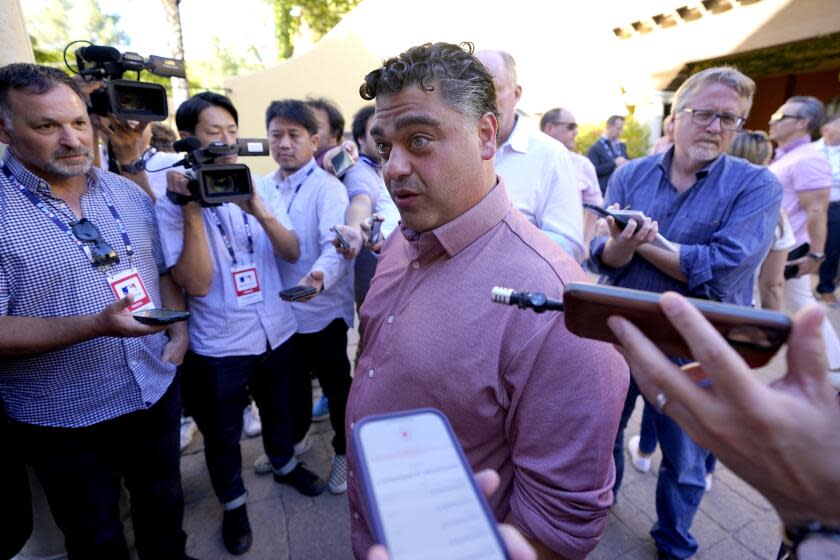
(297, 293)
(418, 488)
(160, 316)
(341, 162)
(342, 241)
(756, 334)
(375, 229)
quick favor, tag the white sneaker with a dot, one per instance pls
(338, 475)
(641, 464)
(708, 482)
(188, 430)
(263, 464)
(251, 420)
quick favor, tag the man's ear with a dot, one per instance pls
(517, 92)
(316, 141)
(183, 134)
(4, 135)
(488, 127)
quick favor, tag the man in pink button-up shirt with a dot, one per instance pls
(524, 396)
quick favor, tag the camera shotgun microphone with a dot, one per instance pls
(188, 144)
(96, 53)
(525, 300)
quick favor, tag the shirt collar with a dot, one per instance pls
(781, 152)
(295, 178)
(31, 181)
(518, 139)
(456, 235)
(665, 159)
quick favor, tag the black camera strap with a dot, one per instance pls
(227, 240)
(47, 208)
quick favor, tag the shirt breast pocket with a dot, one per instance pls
(698, 231)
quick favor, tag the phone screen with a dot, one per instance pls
(424, 498)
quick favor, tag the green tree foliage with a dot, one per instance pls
(634, 134)
(320, 16)
(62, 21)
(225, 61)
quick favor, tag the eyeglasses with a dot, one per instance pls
(569, 125)
(780, 116)
(101, 252)
(703, 117)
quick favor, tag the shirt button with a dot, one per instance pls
(370, 373)
(355, 516)
(415, 265)
(390, 319)
(352, 425)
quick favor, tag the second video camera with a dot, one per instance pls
(127, 99)
(213, 184)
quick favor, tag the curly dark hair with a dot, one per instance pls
(463, 82)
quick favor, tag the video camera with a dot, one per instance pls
(213, 184)
(127, 99)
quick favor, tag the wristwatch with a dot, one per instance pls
(819, 257)
(812, 541)
(139, 164)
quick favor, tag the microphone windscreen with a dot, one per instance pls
(188, 144)
(95, 53)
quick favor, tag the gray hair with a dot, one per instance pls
(726, 75)
(464, 84)
(812, 109)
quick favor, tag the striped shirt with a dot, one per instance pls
(316, 201)
(219, 326)
(43, 273)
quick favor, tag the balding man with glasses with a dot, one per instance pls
(719, 214)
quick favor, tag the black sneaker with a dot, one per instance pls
(236, 531)
(304, 481)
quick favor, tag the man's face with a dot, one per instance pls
(326, 138)
(788, 125)
(614, 129)
(367, 145)
(563, 129)
(50, 133)
(291, 145)
(216, 124)
(831, 132)
(507, 93)
(705, 143)
(433, 159)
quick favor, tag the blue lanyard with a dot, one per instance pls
(226, 239)
(297, 188)
(369, 160)
(40, 204)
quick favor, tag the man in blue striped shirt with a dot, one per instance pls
(225, 258)
(87, 387)
(719, 213)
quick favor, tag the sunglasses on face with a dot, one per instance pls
(101, 252)
(780, 116)
(569, 125)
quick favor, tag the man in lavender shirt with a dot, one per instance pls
(524, 396)
(805, 175)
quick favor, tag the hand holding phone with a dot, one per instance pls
(297, 293)
(375, 229)
(341, 162)
(160, 316)
(623, 217)
(342, 241)
(419, 491)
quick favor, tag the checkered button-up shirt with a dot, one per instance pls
(43, 273)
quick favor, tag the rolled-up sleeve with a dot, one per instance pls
(738, 245)
(562, 432)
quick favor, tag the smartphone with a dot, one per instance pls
(622, 218)
(160, 316)
(341, 162)
(792, 270)
(342, 241)
(296, 293)
(375, 228)
(756, 334)
(419, 490)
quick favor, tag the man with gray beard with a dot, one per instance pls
(87, 388)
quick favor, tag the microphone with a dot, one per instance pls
(525, 300)
(188, 144)
(95, 53)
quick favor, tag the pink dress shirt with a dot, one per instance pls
(524, 396)
(590, 190)
(800, 167)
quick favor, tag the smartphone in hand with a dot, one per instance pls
(375, 229)
(419, 490)
(296, 293)
(342, 241)
(160, 316)
(341, 162)
(623, 217)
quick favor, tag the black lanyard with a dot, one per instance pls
(226, 239)
(44, 207)
(297, 188)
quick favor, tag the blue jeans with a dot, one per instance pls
(828, 268)
(681, 483)
(216, 390)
